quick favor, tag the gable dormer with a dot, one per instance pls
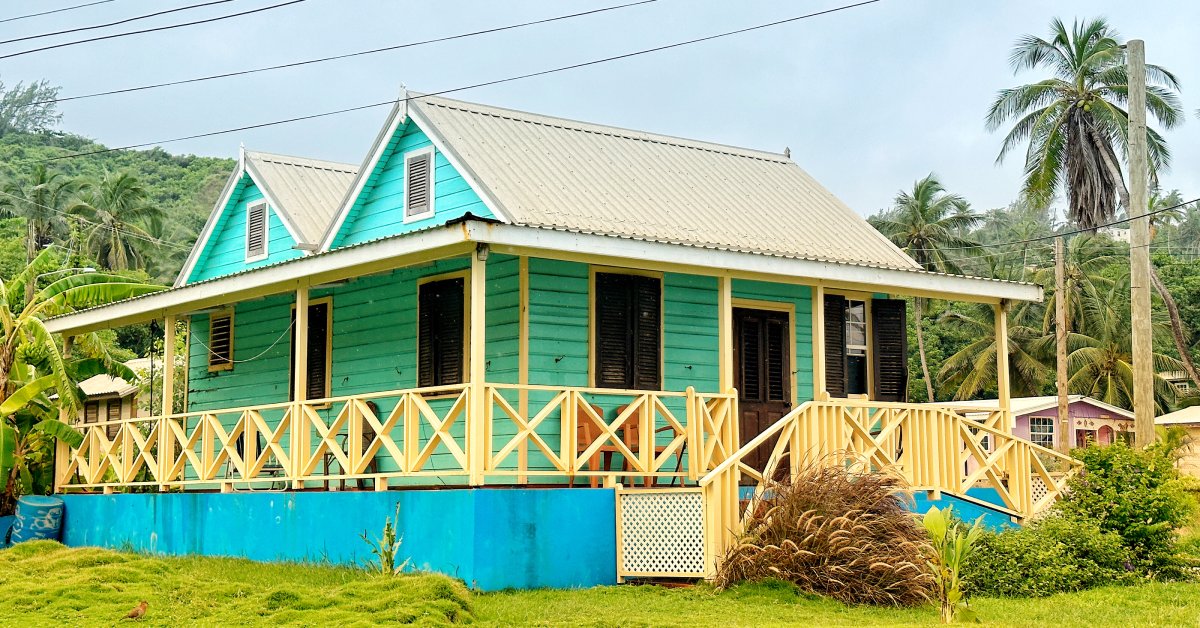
(272, 209)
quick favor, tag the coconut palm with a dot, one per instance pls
(1073, 120)
(32, 363)
(972, 369)
(927, 222)
(1085, 257)
(42, 200)
(119, 220)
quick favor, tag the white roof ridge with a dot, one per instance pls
(530, 117)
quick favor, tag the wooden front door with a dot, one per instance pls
(762, 374)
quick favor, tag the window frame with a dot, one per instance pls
(594, 270)
(266, 251)
(430, 211)
(465, 275)
(1052, 433)
(223, 366)
(328, 301)
(869, 355)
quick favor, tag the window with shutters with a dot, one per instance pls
(114, 410)
(627, 346)
(317, 359)
(441, 332)
(763, 359)
(220, 341)
(91, 412)
(851, 344)
(256, 231)
(418, 185)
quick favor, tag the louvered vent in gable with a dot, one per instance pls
(418, 185)
(256, 232)
(220, 342)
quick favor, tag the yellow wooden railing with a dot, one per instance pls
(415, 436)
(932, 448)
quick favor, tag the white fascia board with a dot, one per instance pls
(273, 204)
(267, 280)
(189, 265)
(397, 116)
(457, 163)
(886, 279)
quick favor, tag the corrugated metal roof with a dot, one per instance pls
(1187, 416)
(309, 191)
(105, 385)
(1025, 405)
(564, 174)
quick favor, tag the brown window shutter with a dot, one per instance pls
(835, 345)
(750, 384)
(91, 412)
(318, 351)
(220, 341)
(776, 362)
(256, 229)
(647, 337)
(889, 349)
(440, 333)
(614, 328)
(416, 199)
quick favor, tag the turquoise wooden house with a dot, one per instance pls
(568, 352)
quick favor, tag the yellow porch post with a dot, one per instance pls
(300, 424)
(818, 343)
(1002, 383)
(478, 443)
(166, 444)
(62, 451)
(725, 333)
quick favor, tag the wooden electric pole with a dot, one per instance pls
(1060, 341)
(1139, 249)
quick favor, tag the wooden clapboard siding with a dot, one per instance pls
(379, 209)
(225, 251)
(801, 298)
(690, 333)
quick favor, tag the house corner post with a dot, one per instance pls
(818, 343)
(478, 447)
(300, 424)
(166, 447)
(1002, 381)
(62, 451)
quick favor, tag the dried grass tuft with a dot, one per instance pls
(835, 533)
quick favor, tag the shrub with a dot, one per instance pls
(1137, 495)
(1054, 555)
(951, 544)
(835, 533)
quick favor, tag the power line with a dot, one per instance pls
(117, 23)
(519, 77)
(341, 56)
(71, 8)
(150, 30)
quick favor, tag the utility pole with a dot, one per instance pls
(1060, 340)
(1139, 248)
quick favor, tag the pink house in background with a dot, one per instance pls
(1037, 419)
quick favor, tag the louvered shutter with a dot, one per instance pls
(256, 230)
(220, 341)
(750, 386)
(889, 349)
(835, 345)
(776, 365)
(91, 412)
(614, 327)
(647, 315)
(418, 174)
(318, 351)
(440, 333)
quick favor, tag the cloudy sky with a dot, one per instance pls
(868, 99)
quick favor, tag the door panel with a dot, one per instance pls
(762, 374)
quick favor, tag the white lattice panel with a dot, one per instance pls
(661, 533)
(1039, 489)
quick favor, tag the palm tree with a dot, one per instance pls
(1101, 360)
(120, 218)
(42, 201)
(32, 363)
(972, 369)
(927, 223)
(1072, 120)
(1086, 257)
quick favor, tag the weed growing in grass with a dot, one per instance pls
(387, 548)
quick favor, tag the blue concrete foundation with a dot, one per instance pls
(967, 510)
(490, 538)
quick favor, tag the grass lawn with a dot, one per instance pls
(44, 583)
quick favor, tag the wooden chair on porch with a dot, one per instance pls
(368, 437)
(586, 433)
(630, 434)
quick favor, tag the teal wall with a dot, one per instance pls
(491, 539)
(225, 251)
(379, 209)
(801, 298)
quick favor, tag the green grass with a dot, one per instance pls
(46, 584)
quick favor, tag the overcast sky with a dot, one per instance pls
(868, 99)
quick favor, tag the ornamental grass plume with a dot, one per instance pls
(836, 533)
